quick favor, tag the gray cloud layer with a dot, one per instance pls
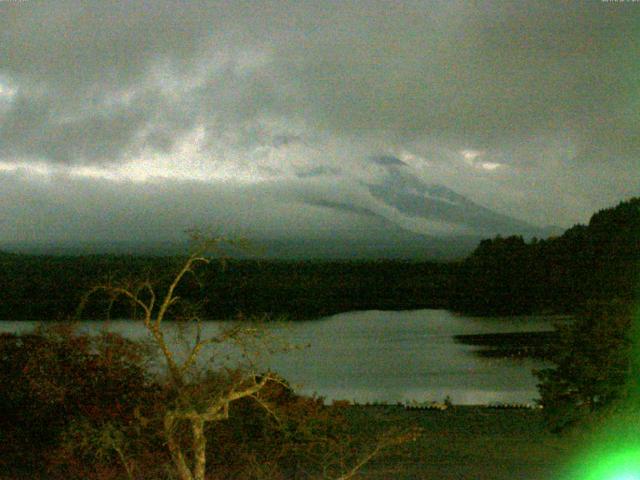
(548, 91)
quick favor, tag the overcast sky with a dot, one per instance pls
(124, 120)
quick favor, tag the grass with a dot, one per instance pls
(464, 442)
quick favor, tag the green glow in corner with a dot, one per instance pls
(613, 453)
(622, 465)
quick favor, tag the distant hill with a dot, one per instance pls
(394, 214)
(406, 218)
(394, 244)
(438, 203)
(598, 261)
(501, 276)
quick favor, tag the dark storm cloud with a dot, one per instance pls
(32, 129)
(483, 74)
(388, 160)
(340, 207)
(547, 90)
(75, 44)
(97, 80)
(81, 209)
(103, 125)
(317, 172)
(480, 73)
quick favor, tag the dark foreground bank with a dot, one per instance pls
(465, 442)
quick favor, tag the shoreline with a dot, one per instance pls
(536, 345)
(474, 442)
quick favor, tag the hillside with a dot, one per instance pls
(598, 261)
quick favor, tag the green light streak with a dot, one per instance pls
(612, 451)
(621, 465)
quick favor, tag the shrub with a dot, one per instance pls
(53, 381)
(81, 407)
(592, 360)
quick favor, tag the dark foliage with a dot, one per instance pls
(592, 358)
(79, 407)
(600, 262)
(44, 287)
(54, 382)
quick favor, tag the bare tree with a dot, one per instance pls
(194, 408)
(154, 309)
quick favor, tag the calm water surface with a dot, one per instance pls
(380, 356)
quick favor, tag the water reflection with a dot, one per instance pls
(375, 356)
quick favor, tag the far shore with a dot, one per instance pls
(511, 345)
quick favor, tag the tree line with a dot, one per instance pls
(34, 287)
(595, 262)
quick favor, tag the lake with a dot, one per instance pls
(382, 356)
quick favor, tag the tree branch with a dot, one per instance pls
(169, 298)
(200, 344)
